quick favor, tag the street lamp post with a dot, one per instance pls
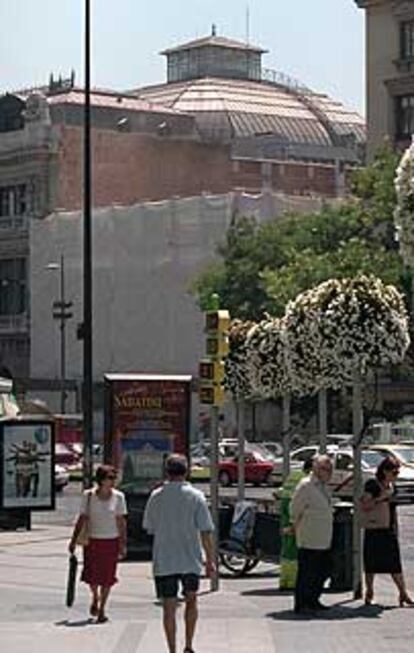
(61, 312)
(87, 387)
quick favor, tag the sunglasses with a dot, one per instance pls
(110, 478)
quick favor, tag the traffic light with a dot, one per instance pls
(211, 394)
(211, 369)
(217, 326)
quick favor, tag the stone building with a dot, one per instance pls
(221, 124)
(389, 72)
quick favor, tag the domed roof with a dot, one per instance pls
(263, 114)
(232, 109)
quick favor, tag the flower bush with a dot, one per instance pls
(236, 380)
(404, 212)
(343, 326)
(266, 359)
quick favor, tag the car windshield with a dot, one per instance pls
(260, 452)
(406, 455)
(372, 458)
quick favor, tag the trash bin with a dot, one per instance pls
(139, 542)
(341, 569)
(225, 517)
(266, 536)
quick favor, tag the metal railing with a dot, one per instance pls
(14, 223)
(14, 323)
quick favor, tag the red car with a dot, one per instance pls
(257, 470)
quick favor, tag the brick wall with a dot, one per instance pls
(290, 178)
(131, 167)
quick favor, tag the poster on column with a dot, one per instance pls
(27, 465)
(146, 418)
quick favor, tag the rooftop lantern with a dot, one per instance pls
(214, 56)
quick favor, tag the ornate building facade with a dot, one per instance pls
(389, 72)
(219, 124)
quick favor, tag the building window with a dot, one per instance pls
(13, 296)
(407, 40)
(405, 116)
(14, 200)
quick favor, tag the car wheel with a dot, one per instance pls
(224, 479)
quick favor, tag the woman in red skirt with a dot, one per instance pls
(104, 510)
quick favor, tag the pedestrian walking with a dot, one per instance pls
(379, 519)
(312, 518)
(177, 515)
(102, 512)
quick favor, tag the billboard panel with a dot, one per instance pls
(147, 418)
(27, 470)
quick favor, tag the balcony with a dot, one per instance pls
(14, 324)
(14, 223)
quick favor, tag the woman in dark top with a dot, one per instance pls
(379, 519)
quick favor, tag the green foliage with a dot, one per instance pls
(264, 266)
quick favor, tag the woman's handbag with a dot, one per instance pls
(377, 517)
(71, 583)
(83, 535)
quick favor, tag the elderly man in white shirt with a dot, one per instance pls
(312, 518)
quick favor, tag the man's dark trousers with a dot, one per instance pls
(313, 570)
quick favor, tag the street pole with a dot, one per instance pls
(87, 394)
(62, 338)
(323, 421)
(286, 435)
(214, 490)
(241, 450)
(61, 312)
(357, 421)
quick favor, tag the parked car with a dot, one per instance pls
(297, 458)
(257, 469)
(61, 477)
(64, 455)
(403, 452)
(404, 484)
(342, 479)
(274, 448)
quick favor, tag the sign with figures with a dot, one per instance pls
(27, 469)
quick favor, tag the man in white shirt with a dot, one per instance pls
(312, 518)
(178, 517)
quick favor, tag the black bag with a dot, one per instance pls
(71, 584)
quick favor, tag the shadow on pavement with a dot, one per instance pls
(267, 591)
(75, 624)
(335, 613)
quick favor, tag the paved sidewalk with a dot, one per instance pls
(246, 616)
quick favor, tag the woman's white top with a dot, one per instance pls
(102, 513)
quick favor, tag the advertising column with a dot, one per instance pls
(146, 418)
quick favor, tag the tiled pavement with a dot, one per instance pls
(246, 616)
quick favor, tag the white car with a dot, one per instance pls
(342, 480)
(404, 484)
(61, 477)
(297, 458)
(274, 448)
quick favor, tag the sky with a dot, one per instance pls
(319, 42)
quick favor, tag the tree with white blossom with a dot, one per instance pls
(343, 326)
(404, 211)
(236, 379)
